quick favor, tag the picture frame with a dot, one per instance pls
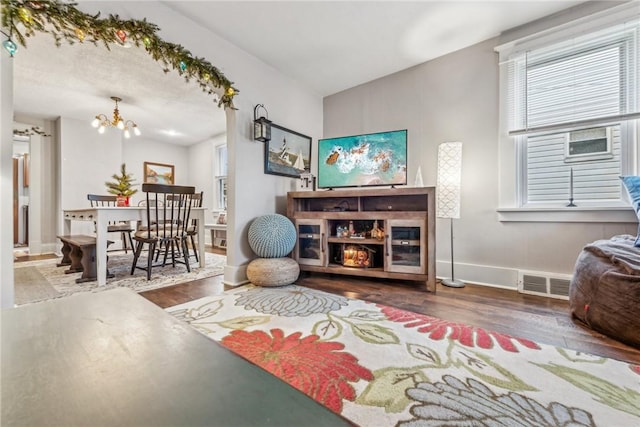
(288, 153)
(222, 218)
(159, 173)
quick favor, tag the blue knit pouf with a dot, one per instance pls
(272, 236)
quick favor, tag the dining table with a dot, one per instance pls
(103, 215)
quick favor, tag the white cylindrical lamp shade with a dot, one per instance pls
(448, 180)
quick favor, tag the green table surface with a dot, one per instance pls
(112, 358)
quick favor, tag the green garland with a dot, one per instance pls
(65, 22)
(34, 130)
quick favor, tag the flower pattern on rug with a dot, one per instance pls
(318, 369)
(466, 335)
(290, 301)
(622, 398)
(454, 402)
(377, 365)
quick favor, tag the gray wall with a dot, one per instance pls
(455, 98)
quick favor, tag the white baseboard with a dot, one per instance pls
(497, 277)
(49, 248)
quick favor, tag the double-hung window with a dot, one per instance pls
(570, 107)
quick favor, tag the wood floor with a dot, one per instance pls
(541, 319)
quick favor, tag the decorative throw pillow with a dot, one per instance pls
(632, 184)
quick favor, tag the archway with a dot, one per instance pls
(136, 31)
(65, 23)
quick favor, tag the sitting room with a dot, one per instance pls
(390, 213)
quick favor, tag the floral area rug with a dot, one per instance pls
(381, 366)
(42, 280)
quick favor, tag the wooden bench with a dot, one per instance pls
(79, 253)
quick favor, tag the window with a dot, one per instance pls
(221, 177)
(570, 108)
(589, 155)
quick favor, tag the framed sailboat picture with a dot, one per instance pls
(288, 153)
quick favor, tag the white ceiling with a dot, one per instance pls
(326, 46)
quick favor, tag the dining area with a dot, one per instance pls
(75, 162)
(166, 224)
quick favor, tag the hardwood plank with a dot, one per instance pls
(26, 258)
(185, 292)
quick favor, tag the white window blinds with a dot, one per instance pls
(588, 80)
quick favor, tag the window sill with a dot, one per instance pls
(578, 214)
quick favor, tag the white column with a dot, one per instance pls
(7, 294)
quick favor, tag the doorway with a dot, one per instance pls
(20, 196)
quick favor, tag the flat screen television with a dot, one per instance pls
(374, 159)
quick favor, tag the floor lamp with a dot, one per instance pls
(448, 192)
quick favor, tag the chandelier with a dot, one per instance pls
(102, 122)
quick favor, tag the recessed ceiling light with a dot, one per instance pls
(171, 132)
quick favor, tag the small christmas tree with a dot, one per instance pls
(122, 184)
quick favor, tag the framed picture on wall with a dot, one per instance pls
(158, 173)
(288, 153)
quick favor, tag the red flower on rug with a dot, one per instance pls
(318, 369)
(635, 368)
(469, 336)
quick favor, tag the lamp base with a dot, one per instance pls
(452, 283)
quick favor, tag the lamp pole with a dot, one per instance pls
(452, 283)
(448, 193)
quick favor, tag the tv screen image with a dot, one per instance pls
(374, 159)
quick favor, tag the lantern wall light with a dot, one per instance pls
(262, 125)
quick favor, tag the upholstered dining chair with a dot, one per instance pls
(168, 211)
(124, 228)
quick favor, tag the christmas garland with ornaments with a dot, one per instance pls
(66, 23)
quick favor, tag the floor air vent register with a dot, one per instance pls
(545, 284)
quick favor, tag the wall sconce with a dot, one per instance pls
(262, 125)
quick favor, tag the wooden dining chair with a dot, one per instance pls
(140, 226)
(192, 229)
(124, 228)
(168, 211)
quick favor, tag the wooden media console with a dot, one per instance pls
(386, 233)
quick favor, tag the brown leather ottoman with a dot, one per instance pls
(605, 289)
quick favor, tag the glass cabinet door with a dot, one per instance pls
(311, 245)
(406, 246)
